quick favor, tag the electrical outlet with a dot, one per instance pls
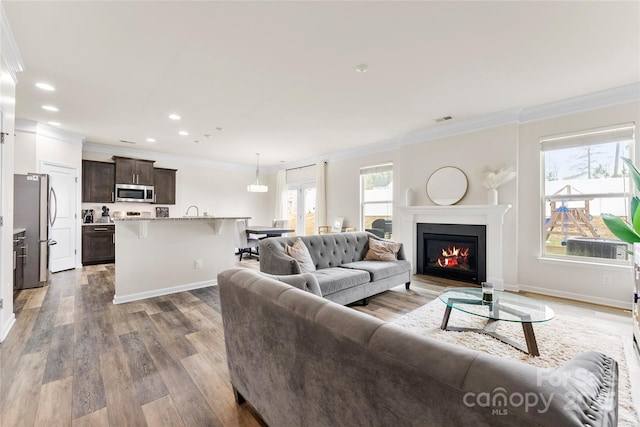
(607, 279)
(197, 263)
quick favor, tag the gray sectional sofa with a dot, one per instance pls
(301, 360)
(342, 274)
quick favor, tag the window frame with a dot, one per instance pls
(378, 168)
(572, 140)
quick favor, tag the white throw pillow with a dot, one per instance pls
(300, 253)
(382, 250)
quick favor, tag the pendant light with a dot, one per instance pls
(257, 187)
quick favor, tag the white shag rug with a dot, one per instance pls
(559, 340)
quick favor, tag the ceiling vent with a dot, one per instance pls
(127, 142)
(444, 119)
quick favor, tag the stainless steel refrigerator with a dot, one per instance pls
(32, 201)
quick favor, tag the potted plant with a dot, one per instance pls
(624, 231)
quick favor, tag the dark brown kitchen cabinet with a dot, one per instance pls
(98, 181)
(133, 171)
(98, 244)
(165, 186)
(19, 256)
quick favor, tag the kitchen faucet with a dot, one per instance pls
(192, 206)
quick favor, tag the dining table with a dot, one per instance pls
(268, 230)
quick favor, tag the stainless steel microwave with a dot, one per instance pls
(135, 193)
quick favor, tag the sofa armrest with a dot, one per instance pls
(581, 391)
(273, 260)
(305, 281)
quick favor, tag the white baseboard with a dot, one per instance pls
(7, 327)
(625, 305)
(164, 291)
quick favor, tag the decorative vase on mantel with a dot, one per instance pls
(492, 196)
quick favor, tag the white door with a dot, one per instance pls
(62, 221)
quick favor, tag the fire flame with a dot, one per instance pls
(452, 257)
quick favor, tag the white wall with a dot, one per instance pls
(7, 104)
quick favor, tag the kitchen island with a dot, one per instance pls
(159, 256)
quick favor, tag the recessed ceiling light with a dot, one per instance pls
(45, 86)
(183, 133)
(151, 140)
(54, 123)
(444, 119)
(219, 129)
(196, 141)
(174, 117)
(362, 68)
(127, 142)
(49, 108)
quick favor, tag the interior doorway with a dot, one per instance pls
(63, 214)
(301, 207)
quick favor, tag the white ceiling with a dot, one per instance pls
(280, 77)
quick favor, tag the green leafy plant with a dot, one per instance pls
(629, 233)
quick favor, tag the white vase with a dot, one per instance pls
(492, 196)
(409, 196)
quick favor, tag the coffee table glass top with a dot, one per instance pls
(507, 306)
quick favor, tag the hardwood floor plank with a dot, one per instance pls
(40, 336)
(20, 404)
(54, 407)
(35, 297)
(13, 347)
(60, 357)
(192, 406)
(99, 418)
(163, 413)
(210, 296)
(120, 390)
(149, 385)
(88, 388)
(208, 372)
(66, 311)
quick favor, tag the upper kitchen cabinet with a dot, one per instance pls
(98, 181)
(165, 186)
(133, 171)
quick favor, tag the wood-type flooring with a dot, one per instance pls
(73, 358)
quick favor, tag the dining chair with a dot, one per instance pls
(244, 243)
(280, 223)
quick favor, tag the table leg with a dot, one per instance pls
(445, 319)
(532, 345)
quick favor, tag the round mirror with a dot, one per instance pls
(447, 186)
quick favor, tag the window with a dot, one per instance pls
(376, 199)
(583, 177)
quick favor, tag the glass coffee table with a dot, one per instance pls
(506, 307)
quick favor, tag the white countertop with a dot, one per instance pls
(186, 218)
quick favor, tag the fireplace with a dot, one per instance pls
(452, 251)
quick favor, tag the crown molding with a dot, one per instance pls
(606, 98)
(91, 147)
(10, 52)
(37, 128)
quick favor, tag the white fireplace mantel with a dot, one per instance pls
(490, 215)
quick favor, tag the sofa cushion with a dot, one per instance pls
(335, 279)
(381, 250)
(380, 269)
(300, 253)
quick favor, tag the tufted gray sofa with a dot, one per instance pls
(301, 360)
(342, 274)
